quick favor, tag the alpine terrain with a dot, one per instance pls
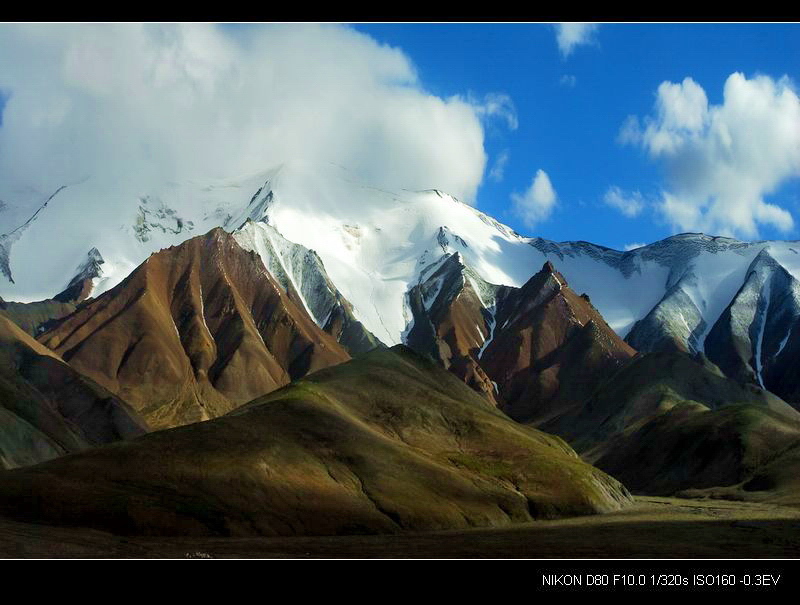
(312, 355)
(333, 238)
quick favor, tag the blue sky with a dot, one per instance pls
(616, 134)
(570, 109)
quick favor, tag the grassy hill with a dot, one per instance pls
(667, 422)
(383, 443)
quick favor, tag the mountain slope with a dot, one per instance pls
(674, 324)
(755, 339)
(384, 443)
(690, 447)
(452, 320)
(301, 274)
(666, 422)
(47, 409)
(35, 317)
(193, 332)
(550, 348)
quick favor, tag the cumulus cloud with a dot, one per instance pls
(630, 204)
(499, 167)
(137, 105)
(722, 160)
(571, 35)
(536, 204)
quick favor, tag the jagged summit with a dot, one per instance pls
(550, 347)
(533, 350)
(749, 341)
(83, 283)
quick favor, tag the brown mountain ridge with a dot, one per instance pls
(535, 350)
(192, 333)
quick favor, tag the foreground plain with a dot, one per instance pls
(651, 528)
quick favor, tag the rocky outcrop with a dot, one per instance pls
(452, 320)
(82, 283)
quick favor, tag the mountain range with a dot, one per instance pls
(284, 336)
(334, 238)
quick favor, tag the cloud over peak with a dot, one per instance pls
(142, 104)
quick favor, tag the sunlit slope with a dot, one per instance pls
(384, 443)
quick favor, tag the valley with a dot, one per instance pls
(659, 528)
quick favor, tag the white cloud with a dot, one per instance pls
(629, 247)
(499, 167)
(630, 204)
(497, 105)
(631, 132)
(137, 105)
(568, 80)
(722, 160)
(682, 106)
(570, 35)
(536, 204)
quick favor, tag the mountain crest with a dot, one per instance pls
(82, 284)
(550, 347)
(528, 349)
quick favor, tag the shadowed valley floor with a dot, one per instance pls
(652, 528)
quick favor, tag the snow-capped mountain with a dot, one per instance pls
(375, 246)
(87, 276)
(756, 338)
(302, 275)
(453, 320)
